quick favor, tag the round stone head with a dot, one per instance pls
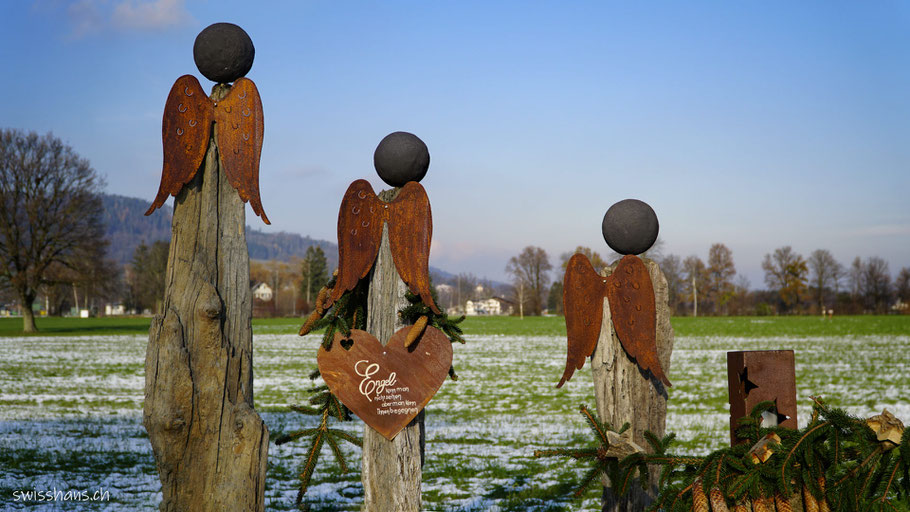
(223, 52)
(401, 157)
(630, 227)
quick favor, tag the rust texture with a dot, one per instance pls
(759, 376)
(186, 130)
(410, 224)
(582, 296)
(240, 127)
(386, 386)
(632, 307)
(188, 116)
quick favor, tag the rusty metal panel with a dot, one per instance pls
(410, 234)
(634, 314)
(582, 297)
(360, 221)
(762, 375)
(386, 386)
(240, 128)
(185, 131)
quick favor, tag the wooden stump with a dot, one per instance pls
(625, 395)
(209, 444)
(391, 470)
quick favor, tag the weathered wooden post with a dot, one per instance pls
(388, 373)
(209, 443)
(621, 318)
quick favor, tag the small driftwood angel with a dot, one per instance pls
(223, 52)
(401, 159)
(630, 227)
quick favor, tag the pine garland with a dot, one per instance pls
(835, 463)
(349, 312)
(322, 403)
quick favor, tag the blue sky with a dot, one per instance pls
(757, 125)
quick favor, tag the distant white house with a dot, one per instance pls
(263, 292)
(114, 309)
(491, 306)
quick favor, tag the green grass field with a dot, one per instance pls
(529, 326)
(71, 402)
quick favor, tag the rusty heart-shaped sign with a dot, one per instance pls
(386, 386)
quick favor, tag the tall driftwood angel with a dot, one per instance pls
(209, 443)
(620, 318)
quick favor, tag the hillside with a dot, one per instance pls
(126, 227)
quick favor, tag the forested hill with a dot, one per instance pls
(127, 226)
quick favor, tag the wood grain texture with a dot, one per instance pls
(391, 470)
(626, 394)
(209, 443)
(386, 385)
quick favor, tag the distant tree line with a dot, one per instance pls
(794, 284)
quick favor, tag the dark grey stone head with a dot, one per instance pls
(223, 52)
(401, 157)
(630, 227)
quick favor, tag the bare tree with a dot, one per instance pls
(786, 273)
(696, 274)
(672, 268)
(855, 278)
(876, 284)
(825, 271)
(593, 256)
(50, 214)
(530, 273)
(902, 285)
(721, 271)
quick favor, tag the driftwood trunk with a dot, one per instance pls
(209, 444)
(625, 395)
(391, 471)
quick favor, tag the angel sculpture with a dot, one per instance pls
(223, 52)
(401, 159)
(629, 227)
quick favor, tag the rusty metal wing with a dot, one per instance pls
(360, 222)
(240, 127)
(185, 131)
(633, 309)
(410, 234)
(582, 298)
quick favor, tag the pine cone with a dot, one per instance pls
(415, 331)
(810, 504)
(699, 500)
(718, 503)
(763, 505)
(783, 504)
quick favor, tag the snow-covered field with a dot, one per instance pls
(70, 416)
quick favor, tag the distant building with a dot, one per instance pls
(262, 291)
(491, 306)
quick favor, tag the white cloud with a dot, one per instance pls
(149, 15)
(88, 17)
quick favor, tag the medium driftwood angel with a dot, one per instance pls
(401, 159)
(223, 53)
(630, 227)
